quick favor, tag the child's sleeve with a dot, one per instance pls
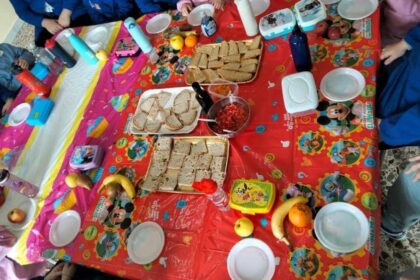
(180, 3)
(70, 4)
(123, 9)
(413, 36)
(23, 10)
(147, 6)
(5, 94)
(26, 55)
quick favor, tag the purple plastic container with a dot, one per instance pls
(86, 157)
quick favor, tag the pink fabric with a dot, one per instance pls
(398, 17)
(192, 2)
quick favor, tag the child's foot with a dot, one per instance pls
(394, 235)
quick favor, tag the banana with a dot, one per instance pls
(121, 180)
(277, 226)
(78, 180)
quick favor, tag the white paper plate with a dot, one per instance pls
(195, 16)
(64, 42)
(342, 84)
(17, 200)
(259, 6)
(96, 37)
(341, 227)
(65, 228)
(19, 114)
(158, 23)
(249, 259)
(145, 243)
(356, 9)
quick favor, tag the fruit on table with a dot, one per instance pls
(321, 28)
(16, 216)
(190, 41)
(78, 180)
(300, 215)
(277, 226)
(121, 180)
(244, 227)
(334, 33)
(177, 42)
(113, 189)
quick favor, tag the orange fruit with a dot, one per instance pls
(300, 215)
(190, 41)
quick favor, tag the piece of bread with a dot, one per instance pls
(186, 179)
(204, 162)
(233, 48)
(195, 105)
(211, 75)
(232, 66)
(152, 125)
(173, 123)
(147, 104)
(216, 149)
(190, 77)
(182, 147)
(162, 115)
(224, 49)
(252, 53)
(163, 144)
(163, 98)
(155, 171)
(202, 64)
(139, 120)
(246, 62)
(169, 181)
(232, 58)
(255, 44)
(218, 164)
(215, 64)
(150, 184)
(199, 148)
(241, 47)
(183, 96)
(198, 75)
(161, 156)
(181, 107)
(176, 161)
(234, 76)
(195, 60)
(205, 49)
(190, 162)
(154, 111)
(188, 117)
(185, 188)
(250, 68)
(202, 174)
(218, 177)
(214, 55)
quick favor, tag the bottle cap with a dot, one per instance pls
(50, 43)
(207, 186)
(68, 32)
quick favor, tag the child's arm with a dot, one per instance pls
(413, 36)
(23, 10)
(147, 6)
(184, 6)
(218, 4)
(123, 8)
(394, 51)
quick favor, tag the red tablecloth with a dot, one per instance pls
(296, 154)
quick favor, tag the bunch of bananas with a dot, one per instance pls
(121, 180)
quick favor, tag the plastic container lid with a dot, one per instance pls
(299, 93)
(277, 23)
(309, 13)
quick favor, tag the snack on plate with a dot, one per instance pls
(16, 216)
(166, 112)
(178, 162)
(234, 61)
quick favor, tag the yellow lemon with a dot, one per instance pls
(244, 227)
(177, 42)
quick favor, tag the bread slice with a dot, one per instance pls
(161, 156)
(232, 58)
(139, 120)
(232, 66)
(255, 44)
(195, 60)
(215, 64)
(218, 177)
(234, 76)
(147, 104)
(250, 68)
(204, 161)
(152, 125)
(205, 49)
(198, 75)
(181, 107)
(190, 162)
(173, 123)
(182, 147)
(252, 53)
(188, 117)
(218, 164)
(169, 181)
(155, 171)
(233, 48)
(162, 115)
(241, 47)
(214, 55)
(189, 79)
(211, 75)
(203, 62)
(183, 96)
(186, 179)
(176, 161)
(246, 62)
(216, 149)
(199, 148)
(150, 184)
(224, 49)
(163, 98)
(154, 111)
(163, 144)
(202, 174)
(194, 105)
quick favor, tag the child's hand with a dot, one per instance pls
(415, 167)
(186, 9)
(6, 106)
(394, 51)
(218, 4)
(22, 63)
(51, 25)
(64, 18)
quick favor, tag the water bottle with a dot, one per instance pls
(300, 50)
(17, 184)
(81, 47)
(138, 35)
(202, 97)
(208, 25)
(56, 49)
(247, 17)
(30, 81)
(220, 199)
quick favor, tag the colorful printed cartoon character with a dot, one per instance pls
(337, 187)
(311, 8)
(346, 57)
(137, 149)
(304, 263)
(249, 193)
(119, 216)
(345, 153)
(340, 117)
(300, 190)
(107, 245)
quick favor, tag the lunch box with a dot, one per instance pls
(309, 13)
(86, 157)
(276, 24)
(40, 111)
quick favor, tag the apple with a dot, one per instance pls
(244, 227)
(334, 33)
(16, 216)
(177, 42)
(321, 28)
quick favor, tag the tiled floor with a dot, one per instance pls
(396, 255)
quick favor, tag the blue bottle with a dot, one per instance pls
(81, 47)
(138, 35)
(300, 50)
(208, 25)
